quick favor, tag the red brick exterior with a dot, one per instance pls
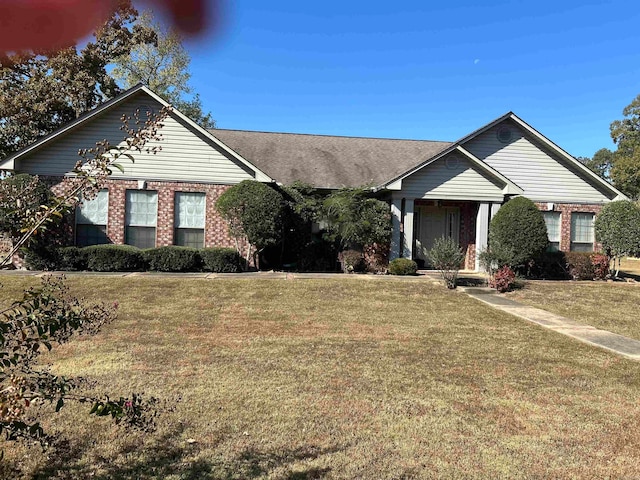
(216, 229)
(566, 209)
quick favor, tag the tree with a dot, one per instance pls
(253, 211)
(625, 133)
(601, 163)
(42, 90)
(617, 228)
(447, 256)
(355, 220)
(163, 67)
(49, 315)
(20, 197)
(519, 228)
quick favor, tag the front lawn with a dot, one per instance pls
(340, 378)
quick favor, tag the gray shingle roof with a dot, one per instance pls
(328, 161)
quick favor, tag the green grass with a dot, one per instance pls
(339, 378)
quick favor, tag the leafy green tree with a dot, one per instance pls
(625, 133)
(163, 67)
(519, 227)
(41, 91)
(617, 228)
(601, 163)
(356, 220)
(253, 211)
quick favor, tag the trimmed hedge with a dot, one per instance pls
(72, 258)
(114, 258)
(220, 260)
(403, 266)
(172, 259)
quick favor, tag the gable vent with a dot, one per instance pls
(504, 134)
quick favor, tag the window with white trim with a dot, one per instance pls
(582, 232)
(189, 221)
(141, 216)
(91, 220)
(552, 220)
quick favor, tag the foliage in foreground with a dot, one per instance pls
(447, 256)
(46, 317)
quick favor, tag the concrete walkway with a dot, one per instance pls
(625, 346)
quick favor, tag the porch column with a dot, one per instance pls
(482, 231)
(408, 229)
(494, 208)
(396, 214)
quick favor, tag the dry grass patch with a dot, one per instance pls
(610, 306)
(339, 378)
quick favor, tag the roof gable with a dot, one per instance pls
(542, 169)
(544, 154)
(111, 109)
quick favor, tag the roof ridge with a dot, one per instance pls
(213, 132)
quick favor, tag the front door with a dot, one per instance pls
(434, 223)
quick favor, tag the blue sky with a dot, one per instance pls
(410, 69)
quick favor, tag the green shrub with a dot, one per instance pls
(221, 260)
(403, 266)
(519, 226)
(72, 258)
(352, 261)
(172, 259)
(579, 265)
(114, 258)
(39, 258)
(446, 256)
(551, 266)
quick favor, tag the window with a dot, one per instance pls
(552, 219)
(189, 219)
(582, 232)
(91, 220)
(141, 217)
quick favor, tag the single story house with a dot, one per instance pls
(433, 188)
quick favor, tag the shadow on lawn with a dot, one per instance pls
(167, 457)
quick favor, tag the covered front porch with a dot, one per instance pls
(417, 223)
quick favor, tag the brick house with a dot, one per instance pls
(433, 188)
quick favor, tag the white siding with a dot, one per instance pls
(443, 181)
(543, 175)
(186, 155)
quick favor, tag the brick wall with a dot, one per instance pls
(566, 209)
(216, 230)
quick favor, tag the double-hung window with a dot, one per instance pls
(582, 232)
(141, 218)
(91, 220)
(189, 219)
(552, 220)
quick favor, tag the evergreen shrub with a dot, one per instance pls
(172, 259)
(403, 266)
(519, 227)
(114, 258)
(220, 260)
